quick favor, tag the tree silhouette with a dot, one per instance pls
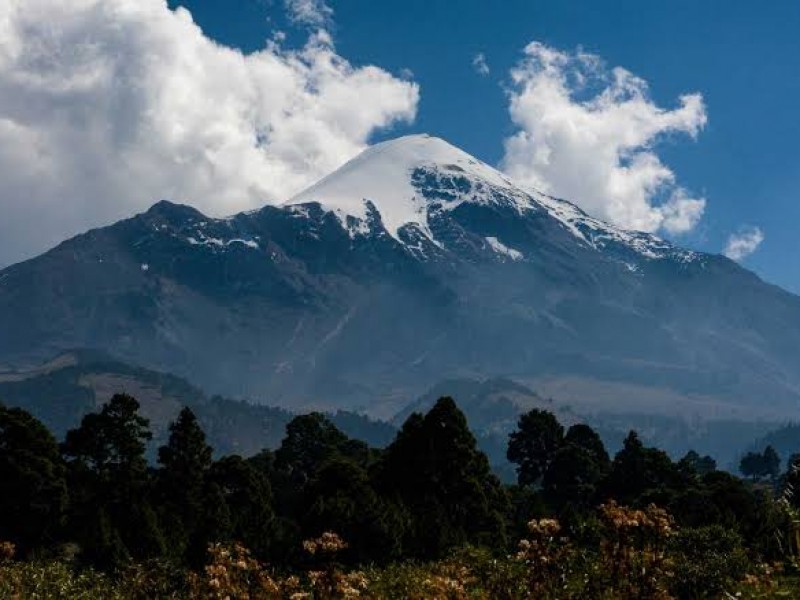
(108, 470)
(435, 469)
(341, 498)
(34, 495)
(533, 446)
(693, 463)
(771, 463)
(638, 472)
(185, 462)
(573, 476)
(760, 465)
(244, 504)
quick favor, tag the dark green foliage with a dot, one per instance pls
(184, 460)
(771, 463)
(709, 560)
(244, 511)
(429, 492)
(182, 483)
(319, 474)
(111, 443)
(785, 440)
(526, 504)
(577, 469)
(108, 470)
(341, 498)
(751, 465)
(573, 477)
(763, 465)
(569, 467)
(533, 446)
(436, 471)
(694, 464)
(377, 434)
(34, 490)
(310, 439)
(641, 475)
(586, 438)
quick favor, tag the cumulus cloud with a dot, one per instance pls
(742, 244)
(109, 105)
(480, 65)
(314, 13)
(587, 133)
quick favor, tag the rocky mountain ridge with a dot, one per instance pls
(412, 263)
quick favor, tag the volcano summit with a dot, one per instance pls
(412, 263)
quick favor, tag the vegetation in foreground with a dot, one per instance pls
(325, 516)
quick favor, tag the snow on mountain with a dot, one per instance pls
(382, 175)
(501, 248)
(599, 234)
(406, 178)
(450, 267)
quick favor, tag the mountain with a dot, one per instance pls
(62, 390)
(413, 263)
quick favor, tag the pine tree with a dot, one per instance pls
(583, 436)
(751, 465)
(694, 464)
(771, 463)
(341, 498)
(573, 477)
(760, 465)
(185, 462)
(108, 474)
(34, 490)
(310, 441)
(435, 469)
(640, 474)
(533, 446)
(247, 499)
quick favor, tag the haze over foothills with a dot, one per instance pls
(645, 117)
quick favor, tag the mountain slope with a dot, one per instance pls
(60, 392)
(412, 263)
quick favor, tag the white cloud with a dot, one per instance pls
(480, 65)
(587, 134)
(314, 13)
(742, 244)
(109, 105)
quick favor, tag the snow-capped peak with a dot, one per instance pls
(382, 175)
(405, 178)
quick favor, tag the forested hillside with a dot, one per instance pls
(60, 391)
(327, 516)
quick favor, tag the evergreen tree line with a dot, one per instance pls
(95, 498)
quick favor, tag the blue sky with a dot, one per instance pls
(744, 60)
(109, 105)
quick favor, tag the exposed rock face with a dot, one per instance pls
(412, 263)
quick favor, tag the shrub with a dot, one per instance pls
(707, 561)
(633, 557)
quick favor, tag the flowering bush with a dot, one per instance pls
(233, 574)
(330, 581)
(328, 543)
(633, 557)
(546, 554)
(640, 555)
